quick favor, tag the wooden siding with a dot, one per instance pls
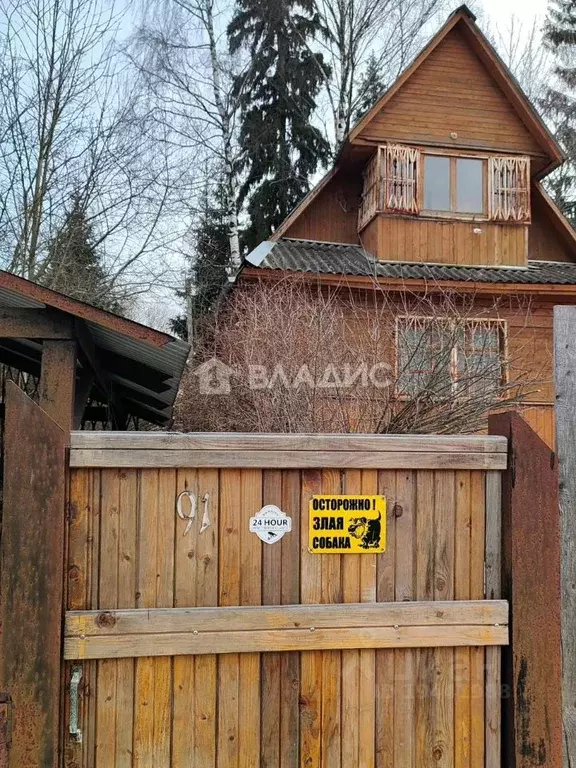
(397, 238)
(452, 92)
(542, 420)
(544, 240)
(332, 216)
(399, 708)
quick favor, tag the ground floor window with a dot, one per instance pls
(444, 357)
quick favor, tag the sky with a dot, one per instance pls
(502, 10)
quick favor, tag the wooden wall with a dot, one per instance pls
(544, 241)
(452, 92)
(333, 216)
(330, 709)
(397, 238)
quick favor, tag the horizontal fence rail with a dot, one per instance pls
(130, 450)
(255, 629)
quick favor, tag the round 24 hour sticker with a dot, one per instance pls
(270, 524)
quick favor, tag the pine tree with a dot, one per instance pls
(210, 263)
(74, 266)
(559, 102)
(281, 148)
(372, 86)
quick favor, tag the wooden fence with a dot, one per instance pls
(198, 645)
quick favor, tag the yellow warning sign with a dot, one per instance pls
(342, 525)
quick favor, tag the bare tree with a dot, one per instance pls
(520, 45)
(182, 51)
(303, 359)
(388, 31)
(72, 126)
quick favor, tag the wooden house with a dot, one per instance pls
(439, 187)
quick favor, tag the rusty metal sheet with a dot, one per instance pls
(532, 667)
(31, 579)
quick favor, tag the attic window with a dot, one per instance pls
(454, 185)
(405, 180)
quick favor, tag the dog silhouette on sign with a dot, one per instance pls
(367, 530)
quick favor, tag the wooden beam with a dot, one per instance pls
(34, 324)
(285, 459)
(173, 632)
(565, 387)
(532, 669)
(222, 441)
(58, 381)
(83, 389)
(91, 359)
(129, 621)
(31, 579)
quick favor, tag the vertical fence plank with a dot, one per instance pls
(477, 655)
(250, 594)
(310, 661)
(290, 662)
(425, 714)
(206, 667)
(462, 569)
(271, 695)
(531, 553)
(384, 659)
(83, 538)
(185, 565)
(229, 664)
(444, 552)
(331, 724)
(106, 704)
(31, 579)
(404, 660)
(127, 557)
(351, 565)
(368, 588)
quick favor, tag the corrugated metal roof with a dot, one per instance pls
(144, 365)
(344, 259)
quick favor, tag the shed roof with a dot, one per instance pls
(308, 256)
(143, 365)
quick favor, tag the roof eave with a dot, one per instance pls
(411, 284)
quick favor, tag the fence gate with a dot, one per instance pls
(191, 642)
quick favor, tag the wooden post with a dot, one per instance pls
(31, 579)
(565, 386)
(532, 670)
(58, 381)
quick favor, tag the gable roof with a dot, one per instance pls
(464, 17)
(465, 20)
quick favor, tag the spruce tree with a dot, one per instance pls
(281, 147)
(559, 102)
(74, 266)
(372, 86)
(210, 262)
